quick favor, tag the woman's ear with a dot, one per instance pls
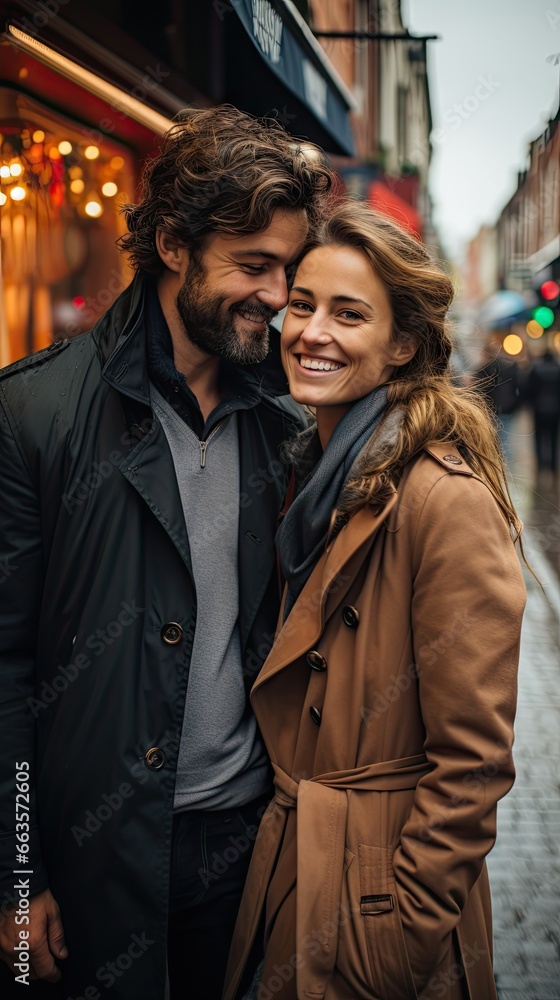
(404, 349)
(172, 255)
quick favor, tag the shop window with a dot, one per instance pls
(61, 190)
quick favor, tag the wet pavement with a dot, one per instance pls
(525, 863)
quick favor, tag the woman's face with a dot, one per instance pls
(337, 342)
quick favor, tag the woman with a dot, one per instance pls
(388, 698)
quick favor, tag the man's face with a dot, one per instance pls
(236, 285)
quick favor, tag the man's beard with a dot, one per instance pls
(211, 326)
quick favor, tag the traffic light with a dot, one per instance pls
(550, 290)
(549, 297)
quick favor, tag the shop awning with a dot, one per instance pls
(505, 307)
(391, 204)
(274, 63)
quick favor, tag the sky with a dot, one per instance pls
(492, 91)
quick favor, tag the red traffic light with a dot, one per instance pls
(550, 290)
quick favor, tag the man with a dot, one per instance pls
(499, 378)
(543, 397)
(141, 484)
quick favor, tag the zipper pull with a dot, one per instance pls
(203, 447)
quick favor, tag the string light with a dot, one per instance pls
(40, 164)
(534, 329)
(93, 208)
(512, 344)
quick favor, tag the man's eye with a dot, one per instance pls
(254, 268)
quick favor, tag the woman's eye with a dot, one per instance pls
(350, 314)
(303, 306)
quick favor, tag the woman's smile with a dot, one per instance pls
(315, 365)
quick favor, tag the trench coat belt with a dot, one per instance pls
(322, 806)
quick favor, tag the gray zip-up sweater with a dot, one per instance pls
(222, 762)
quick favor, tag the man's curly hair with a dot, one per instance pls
(220, 170)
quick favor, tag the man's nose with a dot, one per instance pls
(274, 292)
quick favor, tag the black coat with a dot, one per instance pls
(94, 566)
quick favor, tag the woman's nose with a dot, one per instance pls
(316, 330)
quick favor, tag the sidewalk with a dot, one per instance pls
(525, 863)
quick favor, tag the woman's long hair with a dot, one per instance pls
(432, 407)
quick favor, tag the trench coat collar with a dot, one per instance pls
(324, 590)
(119, 339)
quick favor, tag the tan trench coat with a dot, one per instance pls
(387, 706)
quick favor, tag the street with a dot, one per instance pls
(525, 863)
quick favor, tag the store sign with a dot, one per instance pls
(285, 48)
(315, 89)
(267, 29)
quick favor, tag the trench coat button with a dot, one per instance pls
(316, 661)
(315, 715)
(171, 633)
(351, 616)
(154, 758)
(452, 459)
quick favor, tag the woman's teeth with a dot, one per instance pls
(323, 366)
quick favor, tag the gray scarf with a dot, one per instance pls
(302, 535)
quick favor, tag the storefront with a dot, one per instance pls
(60, 195)
(70, 148)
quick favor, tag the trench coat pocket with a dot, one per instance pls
(379, 910)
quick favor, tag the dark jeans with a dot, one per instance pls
(210, 858)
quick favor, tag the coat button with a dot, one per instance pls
(452, 459)
(315, 715)
(154, 758)
(171, 633)
(351, 616)
(316, 661)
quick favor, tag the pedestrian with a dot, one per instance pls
(141, 484)
(543, 398)
(499, 378)
(387, 701)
